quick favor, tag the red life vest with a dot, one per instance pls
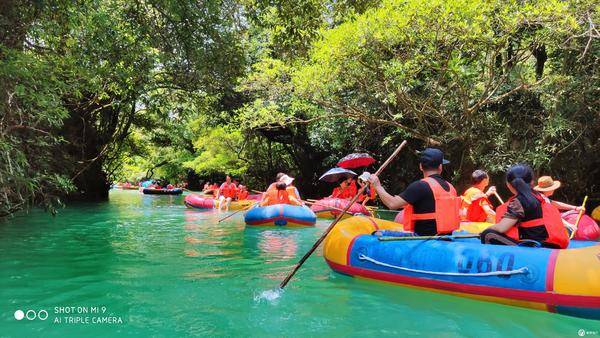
(447, 206)
(475, 211)
(551, 220)
(228, 190)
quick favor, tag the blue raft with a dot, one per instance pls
(280, 215)
(566, 281)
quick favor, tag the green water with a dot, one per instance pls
(165, 270)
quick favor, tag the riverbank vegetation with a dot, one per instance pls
(97, 91)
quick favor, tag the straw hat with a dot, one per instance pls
(546, 183)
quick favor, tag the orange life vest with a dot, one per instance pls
(292, 193)
(228, 190)
(551, 220)
(242, 194)
(475, 211)
(447, 206)
(276, 197)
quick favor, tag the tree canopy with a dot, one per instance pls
(98, 91)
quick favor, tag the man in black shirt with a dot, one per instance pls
(419, 194)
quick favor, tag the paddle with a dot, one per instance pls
(579, 217)
(235, 212)
(415, 238)
(337, 219)
(498, 197)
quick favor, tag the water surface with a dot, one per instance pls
(165, 270)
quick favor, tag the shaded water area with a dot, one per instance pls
(164, 270)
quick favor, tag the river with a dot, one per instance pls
(148, 266)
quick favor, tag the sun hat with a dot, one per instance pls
(286, 179)
(546, 183)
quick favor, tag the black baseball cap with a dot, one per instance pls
(432, 157)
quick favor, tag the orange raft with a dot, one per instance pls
(566, 281)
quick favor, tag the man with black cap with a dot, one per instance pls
(431, 204)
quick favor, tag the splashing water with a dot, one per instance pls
(269, 295)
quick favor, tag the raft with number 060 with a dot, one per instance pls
(565, 281)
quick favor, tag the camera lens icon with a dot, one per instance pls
(31, 315)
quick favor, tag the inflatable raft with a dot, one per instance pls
(331, 208)
(152, 191)
(204, 202)
(199, 202)
(564, 281)
(471, 227)
(280, 215)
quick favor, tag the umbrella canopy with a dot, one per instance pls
(356, 160)
(334, 174)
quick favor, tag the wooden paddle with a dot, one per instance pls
(415, 238)
(498, 197)
(337, 219)
(579, 217)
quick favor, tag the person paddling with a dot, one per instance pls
(547, 186)
(476, 206)
(527, 216)
(431, 204)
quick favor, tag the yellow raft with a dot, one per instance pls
(566, 281)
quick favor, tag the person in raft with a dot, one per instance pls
(476, 206)
(281, 195)
(340, 190)
(368, 194)
(291, 188)
(546, 185)
(431, 205)
(527, 217)
(272, 186)
(226, 193)
(346, 190)
(242, 193)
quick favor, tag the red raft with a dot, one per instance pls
(332, 207)
(199, 202)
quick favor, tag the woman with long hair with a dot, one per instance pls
(526, 216)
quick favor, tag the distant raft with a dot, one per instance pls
(332, 207)
(152, 191)
(566, 281)
(204, 202)
(280, 215)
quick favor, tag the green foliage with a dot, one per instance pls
(95, 91)
(219, 151)
(479, 78)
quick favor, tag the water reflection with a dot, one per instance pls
(278, 245)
